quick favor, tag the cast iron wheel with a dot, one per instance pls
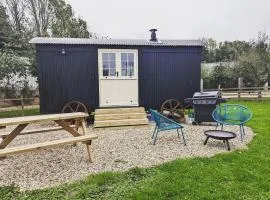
(173, 109)
(195, 123)
(74, 106)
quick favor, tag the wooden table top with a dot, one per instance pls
(41, 118)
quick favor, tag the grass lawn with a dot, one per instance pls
(18, 113)
(238, 175)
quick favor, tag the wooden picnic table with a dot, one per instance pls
(63, 120)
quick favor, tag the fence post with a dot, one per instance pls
(22, 104)
(238, 94)
(259, 94)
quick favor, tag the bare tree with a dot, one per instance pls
(16, 9)
(41, 12)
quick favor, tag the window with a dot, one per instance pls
(109, 64)
(118, 63)
(127, 64)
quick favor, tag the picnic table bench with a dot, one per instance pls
(61, 119)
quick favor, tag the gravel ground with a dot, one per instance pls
(116, 149)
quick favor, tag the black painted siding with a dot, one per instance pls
(168, 73)
(69, 77)
(164, 73)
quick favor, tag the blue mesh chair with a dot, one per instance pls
(232, 114)
(163, 123)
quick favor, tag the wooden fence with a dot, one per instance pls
(18, 104)
(243, 93)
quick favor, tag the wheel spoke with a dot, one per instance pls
(71, 109)
(177, 105)
(170, 102)
(77, 107)
(167, 109)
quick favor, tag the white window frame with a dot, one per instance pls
(118, 63)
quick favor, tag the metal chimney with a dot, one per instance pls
(153, 35)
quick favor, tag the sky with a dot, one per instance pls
(175, 19)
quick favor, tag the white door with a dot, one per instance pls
(118, 77)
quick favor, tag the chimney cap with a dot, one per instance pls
(153, 35)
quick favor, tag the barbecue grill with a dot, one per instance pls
(203, 104)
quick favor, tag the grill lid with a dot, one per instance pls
(212, 94)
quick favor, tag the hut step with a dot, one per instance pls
(120, 117)
(119, 110)
(122, 122)
(104, 117)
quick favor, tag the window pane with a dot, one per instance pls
(123, 56)
(105, 72)
(112, 56)
(108, 64)
(123, 67)
(124, 64)
(130, 71)
(131, 57)
(124, 72)
(105, 56)
(131, 64)
(112, 64)
(105, 64)
(131, 68)
(112, 72)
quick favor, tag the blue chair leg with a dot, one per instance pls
(243, 130)
(178, 133)
(184, 139)
(154, 132)
(222, 127)
(241, 133)
(155, 138)
(217, 126)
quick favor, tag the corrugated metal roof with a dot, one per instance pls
(128, 42)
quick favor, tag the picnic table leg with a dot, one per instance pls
(77, 125)
(12, 135)
(7, 139)
(88, 144)
(67, 127)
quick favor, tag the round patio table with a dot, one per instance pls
(220, 135)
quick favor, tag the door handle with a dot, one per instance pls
(117, 74)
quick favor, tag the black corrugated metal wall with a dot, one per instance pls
(64, 78)
(164, 73)
(168, 73)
